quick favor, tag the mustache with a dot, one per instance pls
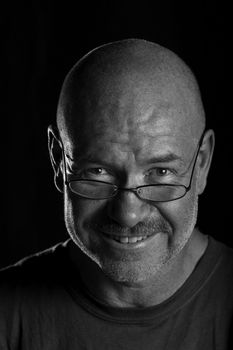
(144, 228)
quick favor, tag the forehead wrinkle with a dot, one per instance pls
(101, 143)
(130, 113)
(139, 139)
(127, 152)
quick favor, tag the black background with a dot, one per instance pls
(43, 41)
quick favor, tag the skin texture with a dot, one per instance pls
(121, 106)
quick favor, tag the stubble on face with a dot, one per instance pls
(134, 268)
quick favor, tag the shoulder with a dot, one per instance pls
(30, 288)
(220, 261)
(42, 265)
(225, 252)
(221, 254)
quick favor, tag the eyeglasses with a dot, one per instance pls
(94, 189)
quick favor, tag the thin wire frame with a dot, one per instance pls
(108, 190)
(135, 190)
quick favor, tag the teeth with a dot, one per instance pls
(126, 240)
(133, 239)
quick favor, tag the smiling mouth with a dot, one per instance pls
(126, 239)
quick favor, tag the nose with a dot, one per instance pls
(127, 209)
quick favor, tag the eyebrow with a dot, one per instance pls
(165, 158)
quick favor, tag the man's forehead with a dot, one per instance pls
(132, 109)
(143, 143)
(131, 123)
(134, 120)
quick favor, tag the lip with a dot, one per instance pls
(137, 245)
(124, 235)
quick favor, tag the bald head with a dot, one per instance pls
(121, 83)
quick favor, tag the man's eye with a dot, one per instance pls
(157, 174)
(96, 174)
(162, 171)
(96, 171)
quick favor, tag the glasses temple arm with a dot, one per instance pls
(195, 160)
(64, 161)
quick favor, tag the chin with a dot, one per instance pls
(133, 273)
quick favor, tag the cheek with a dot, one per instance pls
(180, 213)
(80, 210)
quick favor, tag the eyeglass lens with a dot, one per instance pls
(99, 190)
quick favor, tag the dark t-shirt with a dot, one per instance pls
(43, 305)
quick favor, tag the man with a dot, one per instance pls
(131, 156)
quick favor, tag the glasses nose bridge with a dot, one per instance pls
(135, 190)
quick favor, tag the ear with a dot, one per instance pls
(205, 158)
(55, 152)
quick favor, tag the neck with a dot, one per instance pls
(147, 293)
